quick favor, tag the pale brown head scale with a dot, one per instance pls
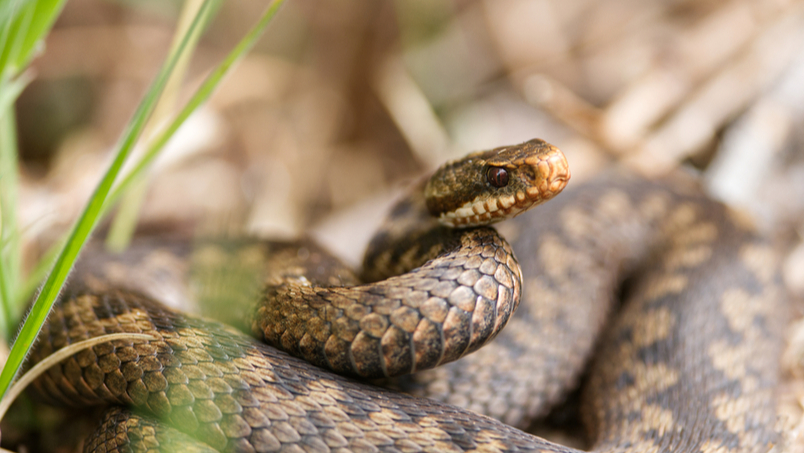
(490, 186)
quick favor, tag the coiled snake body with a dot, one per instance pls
(689, 363)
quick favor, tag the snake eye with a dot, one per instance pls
(497, 176)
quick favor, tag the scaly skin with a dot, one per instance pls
(690, 361)
(689, 364)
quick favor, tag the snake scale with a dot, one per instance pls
(688, 362)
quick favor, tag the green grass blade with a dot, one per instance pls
(9, 239)
(14, 30)
(39, 272)
(11, 89)
(199, 97)
(23, 24)
(158, 143)
(28, 22)
(125, 220)
(87, 220)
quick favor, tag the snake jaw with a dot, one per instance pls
(538, 172)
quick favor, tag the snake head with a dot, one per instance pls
(489, 186)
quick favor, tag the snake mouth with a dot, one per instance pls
(544, 175)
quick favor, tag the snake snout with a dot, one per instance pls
(548, 173)
(554, 171)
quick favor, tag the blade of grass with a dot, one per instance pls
(29, 22)
(23, 25)
(199, 97)
(9, 239)
(10, 258)
(87, 220)
(14, 32)
(63, 353)
(38, 273)
(10, 89)
(125, 220)
(157, 144)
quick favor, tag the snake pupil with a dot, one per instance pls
(497, 176)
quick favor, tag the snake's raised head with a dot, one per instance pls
(490, 186)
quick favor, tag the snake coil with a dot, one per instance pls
(689, 364)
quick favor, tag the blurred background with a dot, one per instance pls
(343, 103)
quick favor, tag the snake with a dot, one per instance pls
(665, 306)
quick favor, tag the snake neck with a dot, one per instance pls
(408, 238)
